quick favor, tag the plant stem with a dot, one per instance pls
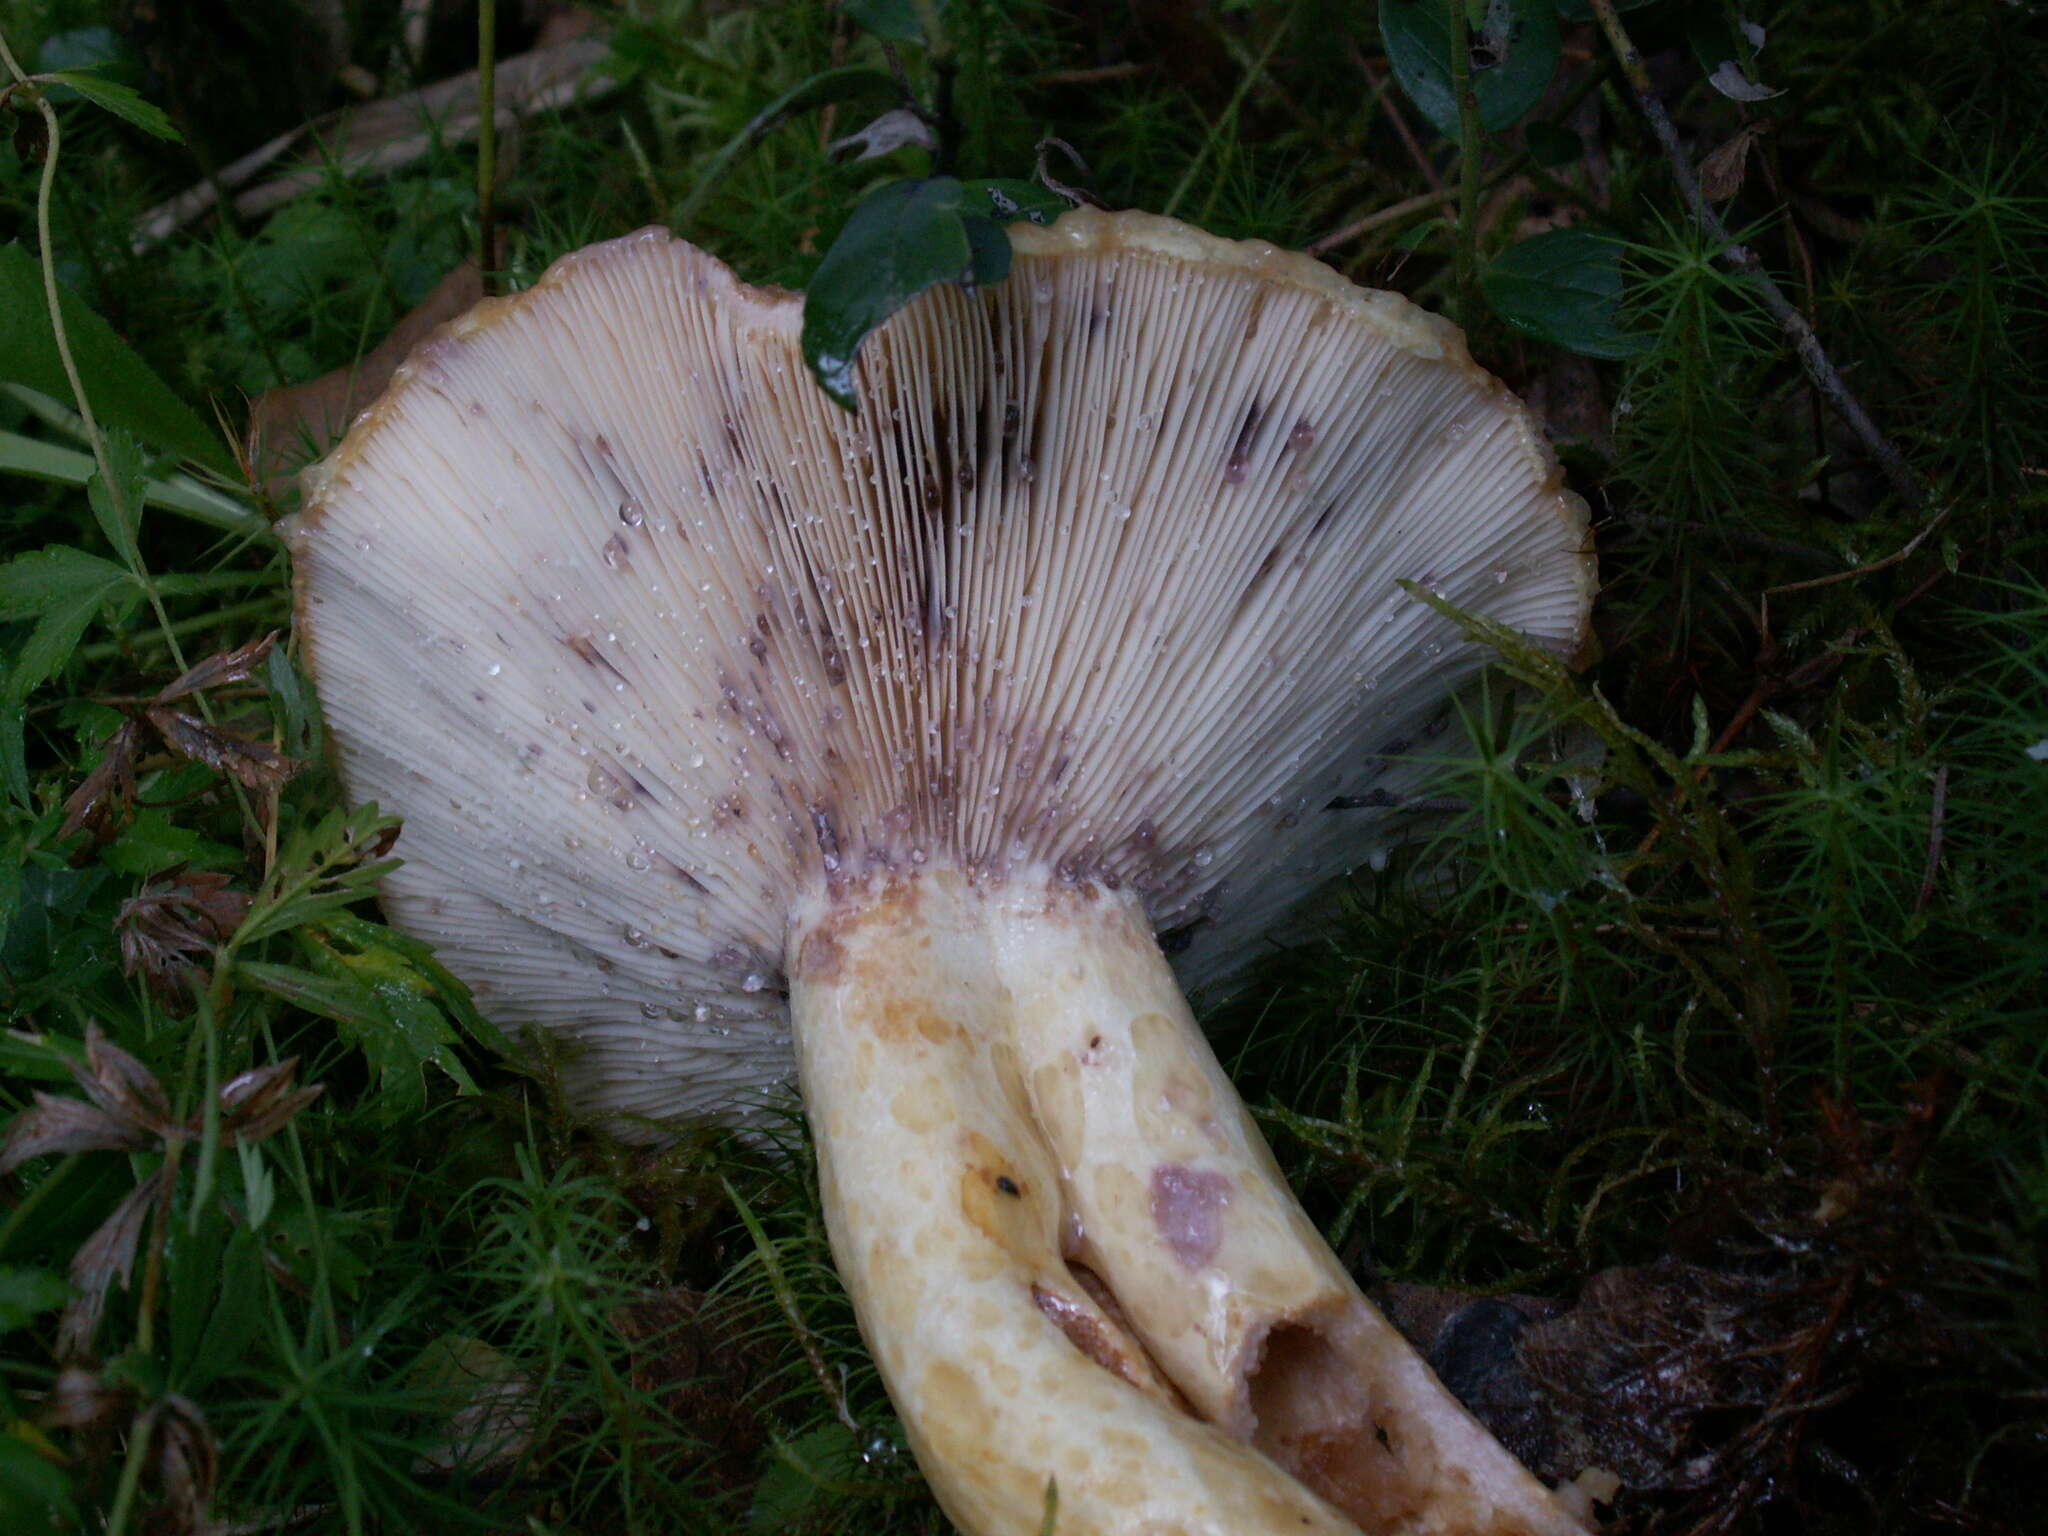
(131, 1473)
(1812, 356)
(487, 144)
(107, 650)
(945, 70)
(95, 438)
(1465, 258)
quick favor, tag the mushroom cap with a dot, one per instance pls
(645, 638)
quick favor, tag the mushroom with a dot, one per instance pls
(736, 733)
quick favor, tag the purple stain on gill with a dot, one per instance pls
(1187, 1208)
(1241, 450)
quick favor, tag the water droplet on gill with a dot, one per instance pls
(700, 1013)
(1204, 858)
(635, 939)
(494, 669)
(917, 855)
(362, 544)
(696, 759)
(630, 513)
(753, 981)
(1455, 431)
(1499, 574)
(636, 860)
(1432, 649)
(602, 781)
(571, 841)
(649, 1011)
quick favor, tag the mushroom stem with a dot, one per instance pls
(1072, 1254)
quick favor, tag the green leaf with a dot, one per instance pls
(57, 465)
(120, 517)
(62, 589)
(1514, 53)
(35, 1494)
(1564, 287)
(895, 20)
(123, 101)
(323, 869)
(989, 250)
(1005, 200)
(392, 1000)
(26, 1294)
(906, 237)
(122, 389)
(32, 585)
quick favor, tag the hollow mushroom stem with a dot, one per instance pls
(1072, 1254)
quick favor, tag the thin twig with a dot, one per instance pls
(1465, 253)
(1100, 74)
(117, 493)
(1812, 356)
(1385, 97)
(1902, 552)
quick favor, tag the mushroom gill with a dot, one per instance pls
(696, 691)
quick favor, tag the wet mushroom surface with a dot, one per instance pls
(737, 736)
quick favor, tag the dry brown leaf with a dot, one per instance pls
(108, 790)
(187, 1462)
(53, 1125)
(175, 919)
(1722, 171)
(257, 764)
(122, 1085)
(259, 1102)
(230, 666)
(79, 1399)
(109, 1252)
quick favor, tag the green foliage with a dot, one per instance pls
(125, 392)
(1564, 287)
(124, 101)
(1685, 422)
(1514, 42)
